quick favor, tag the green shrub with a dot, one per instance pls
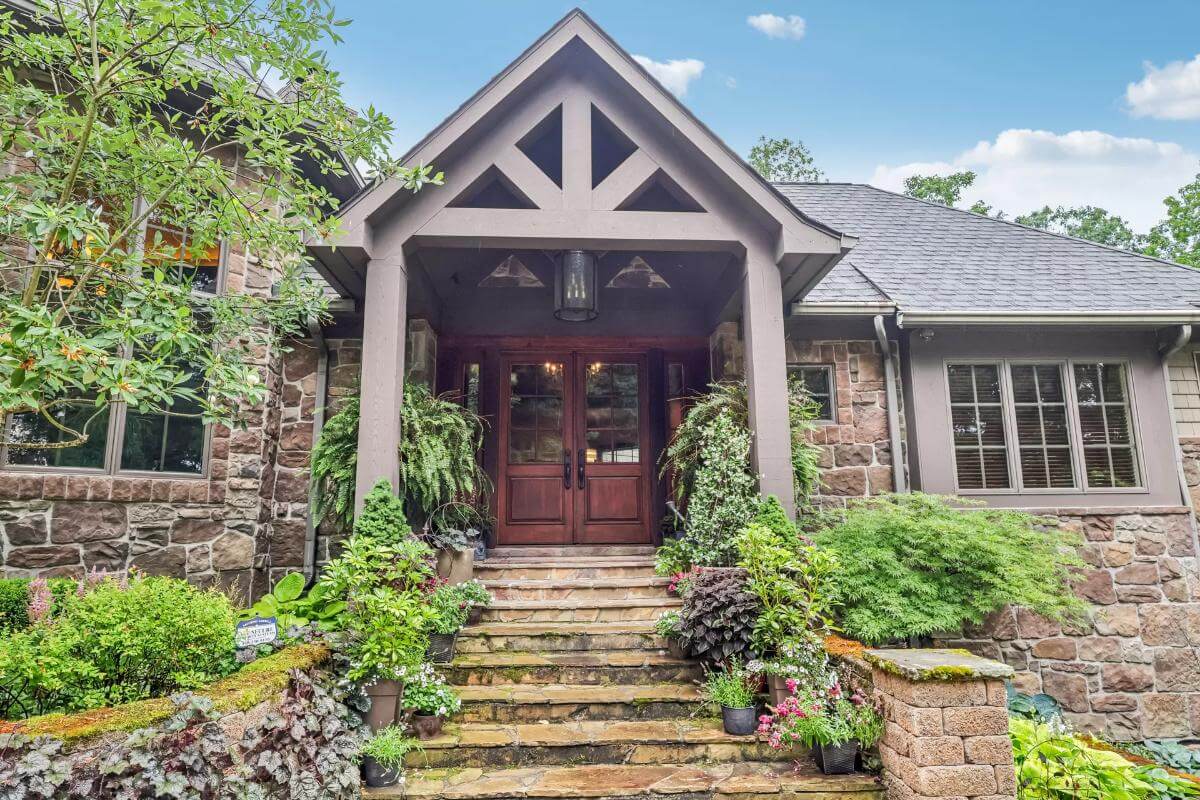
(718, 615)
(724, 497)
(911, 565)
(382, 515)
(120, 641)
(14, 600)
(1052, 764)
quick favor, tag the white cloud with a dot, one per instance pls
(1022, 170)
(776, 27)
(1172, 92)
(731, 83)
(675, 74)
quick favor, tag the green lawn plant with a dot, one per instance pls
(389, 747)
(1053, 764)
(731, 687)
(914, 564)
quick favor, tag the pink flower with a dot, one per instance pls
(835, 690)
(857, 699)
(791, 684)
(41, 601)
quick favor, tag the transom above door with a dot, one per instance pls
(574, 451)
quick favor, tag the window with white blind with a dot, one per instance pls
(977, 414)
(1042, 430)
(1109, 455)
(1058, 426)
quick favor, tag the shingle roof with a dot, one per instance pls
(845, 284)
(928, 257)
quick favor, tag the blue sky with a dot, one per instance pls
(876, 90)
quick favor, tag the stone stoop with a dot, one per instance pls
(569, 693)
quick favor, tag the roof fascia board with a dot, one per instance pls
(1131, 319)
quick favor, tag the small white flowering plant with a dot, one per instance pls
(429, 695)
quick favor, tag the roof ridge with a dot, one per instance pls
(1021, 226)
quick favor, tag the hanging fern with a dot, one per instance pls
(439, 468)
(683, 458)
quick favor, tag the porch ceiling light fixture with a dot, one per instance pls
(576, 295)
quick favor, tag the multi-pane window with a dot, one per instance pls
(1106, 424)
(1029, 426)
(977, 419)
(818, 383)
(1042, 432)
(121, 439)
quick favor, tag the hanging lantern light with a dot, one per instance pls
(575, 291)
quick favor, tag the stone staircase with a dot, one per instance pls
(568, 693)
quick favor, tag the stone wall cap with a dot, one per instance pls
(936, 665)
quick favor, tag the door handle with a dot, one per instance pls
(566, 469)
(582, 464)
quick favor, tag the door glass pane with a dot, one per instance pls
(612, 413)
(535, 421)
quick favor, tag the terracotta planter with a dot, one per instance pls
(441, 647)
(739, 721)
(385, 704)
(427, 727)
(475, 615)
(456, 566)
(376, 776)
(836, 759)
(777, 690)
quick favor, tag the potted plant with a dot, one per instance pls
(667, 626)
(733, 690)
(803, 659)
(836, 727)
(476, 597)
(431, 700)
(383, 756)
(448, 616)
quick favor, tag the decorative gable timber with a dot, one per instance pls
(576, 78)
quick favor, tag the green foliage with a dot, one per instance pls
(334, 466)
(117, 643)
(292, 607)
(772, 516)
(473, 593)
(1177, 238)
(1052, 764)
(1084, 222)
(667, 624)
(718, 615)
(93, 98)
(945, 190)
(731, 687)
(443, 484)
(725, 494)
(382, 517)
(1038, 707)
(673, 557)
(791, 580)
(447, 609)
(390, 746)
(14, 600)
(1175, 755)
(910, 565)
(821, 714)
(782, 160)
(428, 694)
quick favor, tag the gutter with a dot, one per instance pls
(314, 494)
(800, 308)
(1182, 337)
(899, 483)
(1118, 318)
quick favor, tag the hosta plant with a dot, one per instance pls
(292, 607)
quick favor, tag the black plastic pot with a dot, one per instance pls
(376, 776)
(739, 721)
(836, 759)
(441, 647)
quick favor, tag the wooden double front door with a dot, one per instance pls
(575, 459)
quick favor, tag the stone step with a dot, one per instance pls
(599, 610)
(583, 589)
(546, 636)
(593, 741)
(742, 781)
(548, 702)
(569, 551)
(592, 667)
(565, 568)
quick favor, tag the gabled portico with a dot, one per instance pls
(575, 147)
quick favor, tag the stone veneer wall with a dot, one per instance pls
(1132, 671)
(856, 451)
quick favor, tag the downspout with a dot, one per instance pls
(893, 406)
(310, 522)
(1181, 338)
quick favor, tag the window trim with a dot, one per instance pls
(1012, 448)
(831, 371)
(118, 410)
